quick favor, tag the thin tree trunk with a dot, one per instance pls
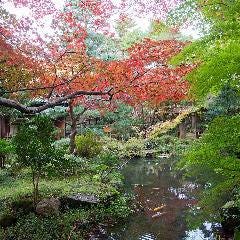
(34, 189)
(194, 124)
(182, 130)
(37, 186)
(73, 128)
(35, 181)
(74, 120)
(2, 161)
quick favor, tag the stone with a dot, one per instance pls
(79, 200)
(230, 214)
(48, 206)
(85, 198)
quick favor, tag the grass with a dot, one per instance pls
(29, 226)
(21, 185)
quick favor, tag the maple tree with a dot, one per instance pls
(62, 67)
(58, 65)
(146, 75)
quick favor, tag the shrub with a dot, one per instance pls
(6, 148)
(34, 149)
(214, 162)
(31, 227)
(112, 146)
(74, 224)
(88, 145)
(65, 165)
(134, 147)
(62, 144)
(168, 144)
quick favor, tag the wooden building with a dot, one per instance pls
(4, 127)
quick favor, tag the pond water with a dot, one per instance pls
(164, 199)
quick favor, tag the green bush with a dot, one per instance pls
(88, 145)
(31, 227)
(34, 147)
(117, 209)
(65, 165)
(112, 145)
(73, 224)
(6, 149)
(62, 145)
(214, 162)
(134, 147)
(168, 144)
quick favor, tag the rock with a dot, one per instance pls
(230, 214)
(79, 200)
(48, 206)
(85, 198)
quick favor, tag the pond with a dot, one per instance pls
(164, 199)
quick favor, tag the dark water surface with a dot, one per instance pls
(164, 199)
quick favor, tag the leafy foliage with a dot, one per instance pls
(80, 55)
(217, 53)
(226, 103)
(133, 147)
(88, 145)
(168, 144)
(34, 149)
(121, 121)
(214, 161)
(33, 143)
(5, 147)
(76, 223)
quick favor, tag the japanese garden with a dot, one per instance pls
(120, 120)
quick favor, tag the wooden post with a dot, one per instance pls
(182, 129)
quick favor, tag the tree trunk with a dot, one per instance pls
(182, 130)
(73, 128)
(2, 161)
(194, 124)
(35, 180)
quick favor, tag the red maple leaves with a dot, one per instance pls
(62, 66)
(146, 74)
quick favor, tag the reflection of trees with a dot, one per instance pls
(155, 182)
(155, 185)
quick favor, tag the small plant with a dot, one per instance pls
(134, 147)
(168, 144)
(62, 144)
(88, 145)
(5, 149)
(34, 149)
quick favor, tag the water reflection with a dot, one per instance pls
(164, 199)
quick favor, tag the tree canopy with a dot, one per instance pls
(79, 60)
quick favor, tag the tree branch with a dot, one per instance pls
(33, 110)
